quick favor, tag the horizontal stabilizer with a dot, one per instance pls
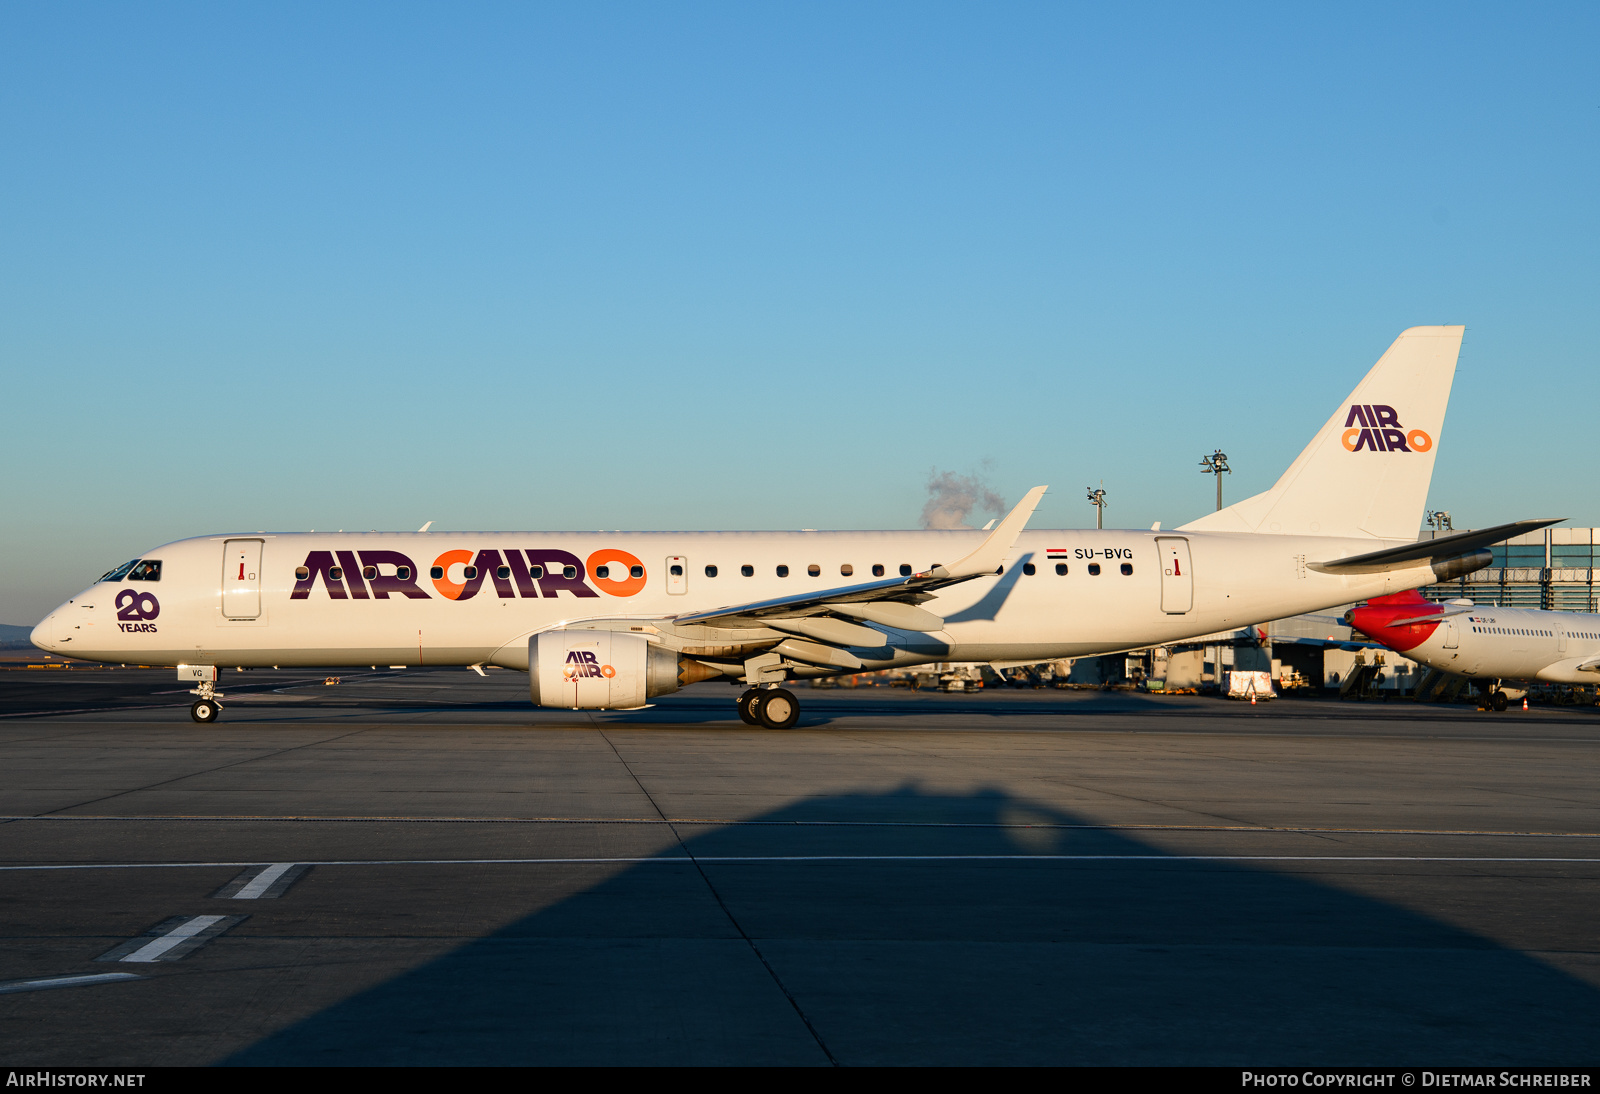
(1410, 555)
(1430, 617)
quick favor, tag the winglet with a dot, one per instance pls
(991, 553)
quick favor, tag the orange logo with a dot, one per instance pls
(604, 566)
(450, 590)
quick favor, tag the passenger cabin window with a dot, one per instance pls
(604, 572)
(1061, 567)
(120, 572)
(905, 569)
(404, 572)
(1027, 568)
(748, 571)
(336, 572)
(148, 570)
(303, 572)
(568, 572)
(677, 569)
(536, 572)
(436, 572)
(846, 570)
(877, 569)
(369, 572)
(502, 572)
(783, 571)
(638, 571)
(1094, 569)
(814, 570)
(469, 572)
(711, 571)
(1127, 569)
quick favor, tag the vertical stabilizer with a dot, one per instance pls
(1366, 472)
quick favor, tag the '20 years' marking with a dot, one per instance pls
(135, 609)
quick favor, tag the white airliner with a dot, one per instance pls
(1483, 642)
(610, 620)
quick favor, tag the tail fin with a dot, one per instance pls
(1366, 472)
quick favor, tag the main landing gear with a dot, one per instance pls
(1494, 700)
(775, 708)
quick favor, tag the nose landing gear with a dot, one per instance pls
(207, 707)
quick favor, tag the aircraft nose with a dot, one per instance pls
(42, 634)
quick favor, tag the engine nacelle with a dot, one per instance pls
(604, 670)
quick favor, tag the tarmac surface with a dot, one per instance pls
(415, 867)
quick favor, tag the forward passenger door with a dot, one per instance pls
(241, 579)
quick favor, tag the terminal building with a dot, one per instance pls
(1553, 568)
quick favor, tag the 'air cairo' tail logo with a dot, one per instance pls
(582, 664)
(1378, 429)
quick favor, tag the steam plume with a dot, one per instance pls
(952, 498)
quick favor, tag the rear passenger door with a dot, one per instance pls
(1177, 581)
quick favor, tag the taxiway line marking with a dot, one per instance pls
(732, 823)
(685, 860)
(11, 987)
(153, 950)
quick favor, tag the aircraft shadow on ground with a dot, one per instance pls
(1155, 961)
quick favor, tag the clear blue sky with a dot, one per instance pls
(282, 266)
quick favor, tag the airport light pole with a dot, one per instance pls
(1097, 498)
(1440, 520)
(1216, 464)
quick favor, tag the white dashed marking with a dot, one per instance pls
(172, 939)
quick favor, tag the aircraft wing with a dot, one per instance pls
(1429, 550)
(891, 601)
(1590, 665)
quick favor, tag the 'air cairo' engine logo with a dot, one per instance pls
(582, 664)
(1378, 429)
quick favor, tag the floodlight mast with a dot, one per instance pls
(1097, 498)
(1216, 464)
(1440, 520)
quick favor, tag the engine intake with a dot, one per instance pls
(604, 670)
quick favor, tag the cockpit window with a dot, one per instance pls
(120, 572)
(148, 570)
